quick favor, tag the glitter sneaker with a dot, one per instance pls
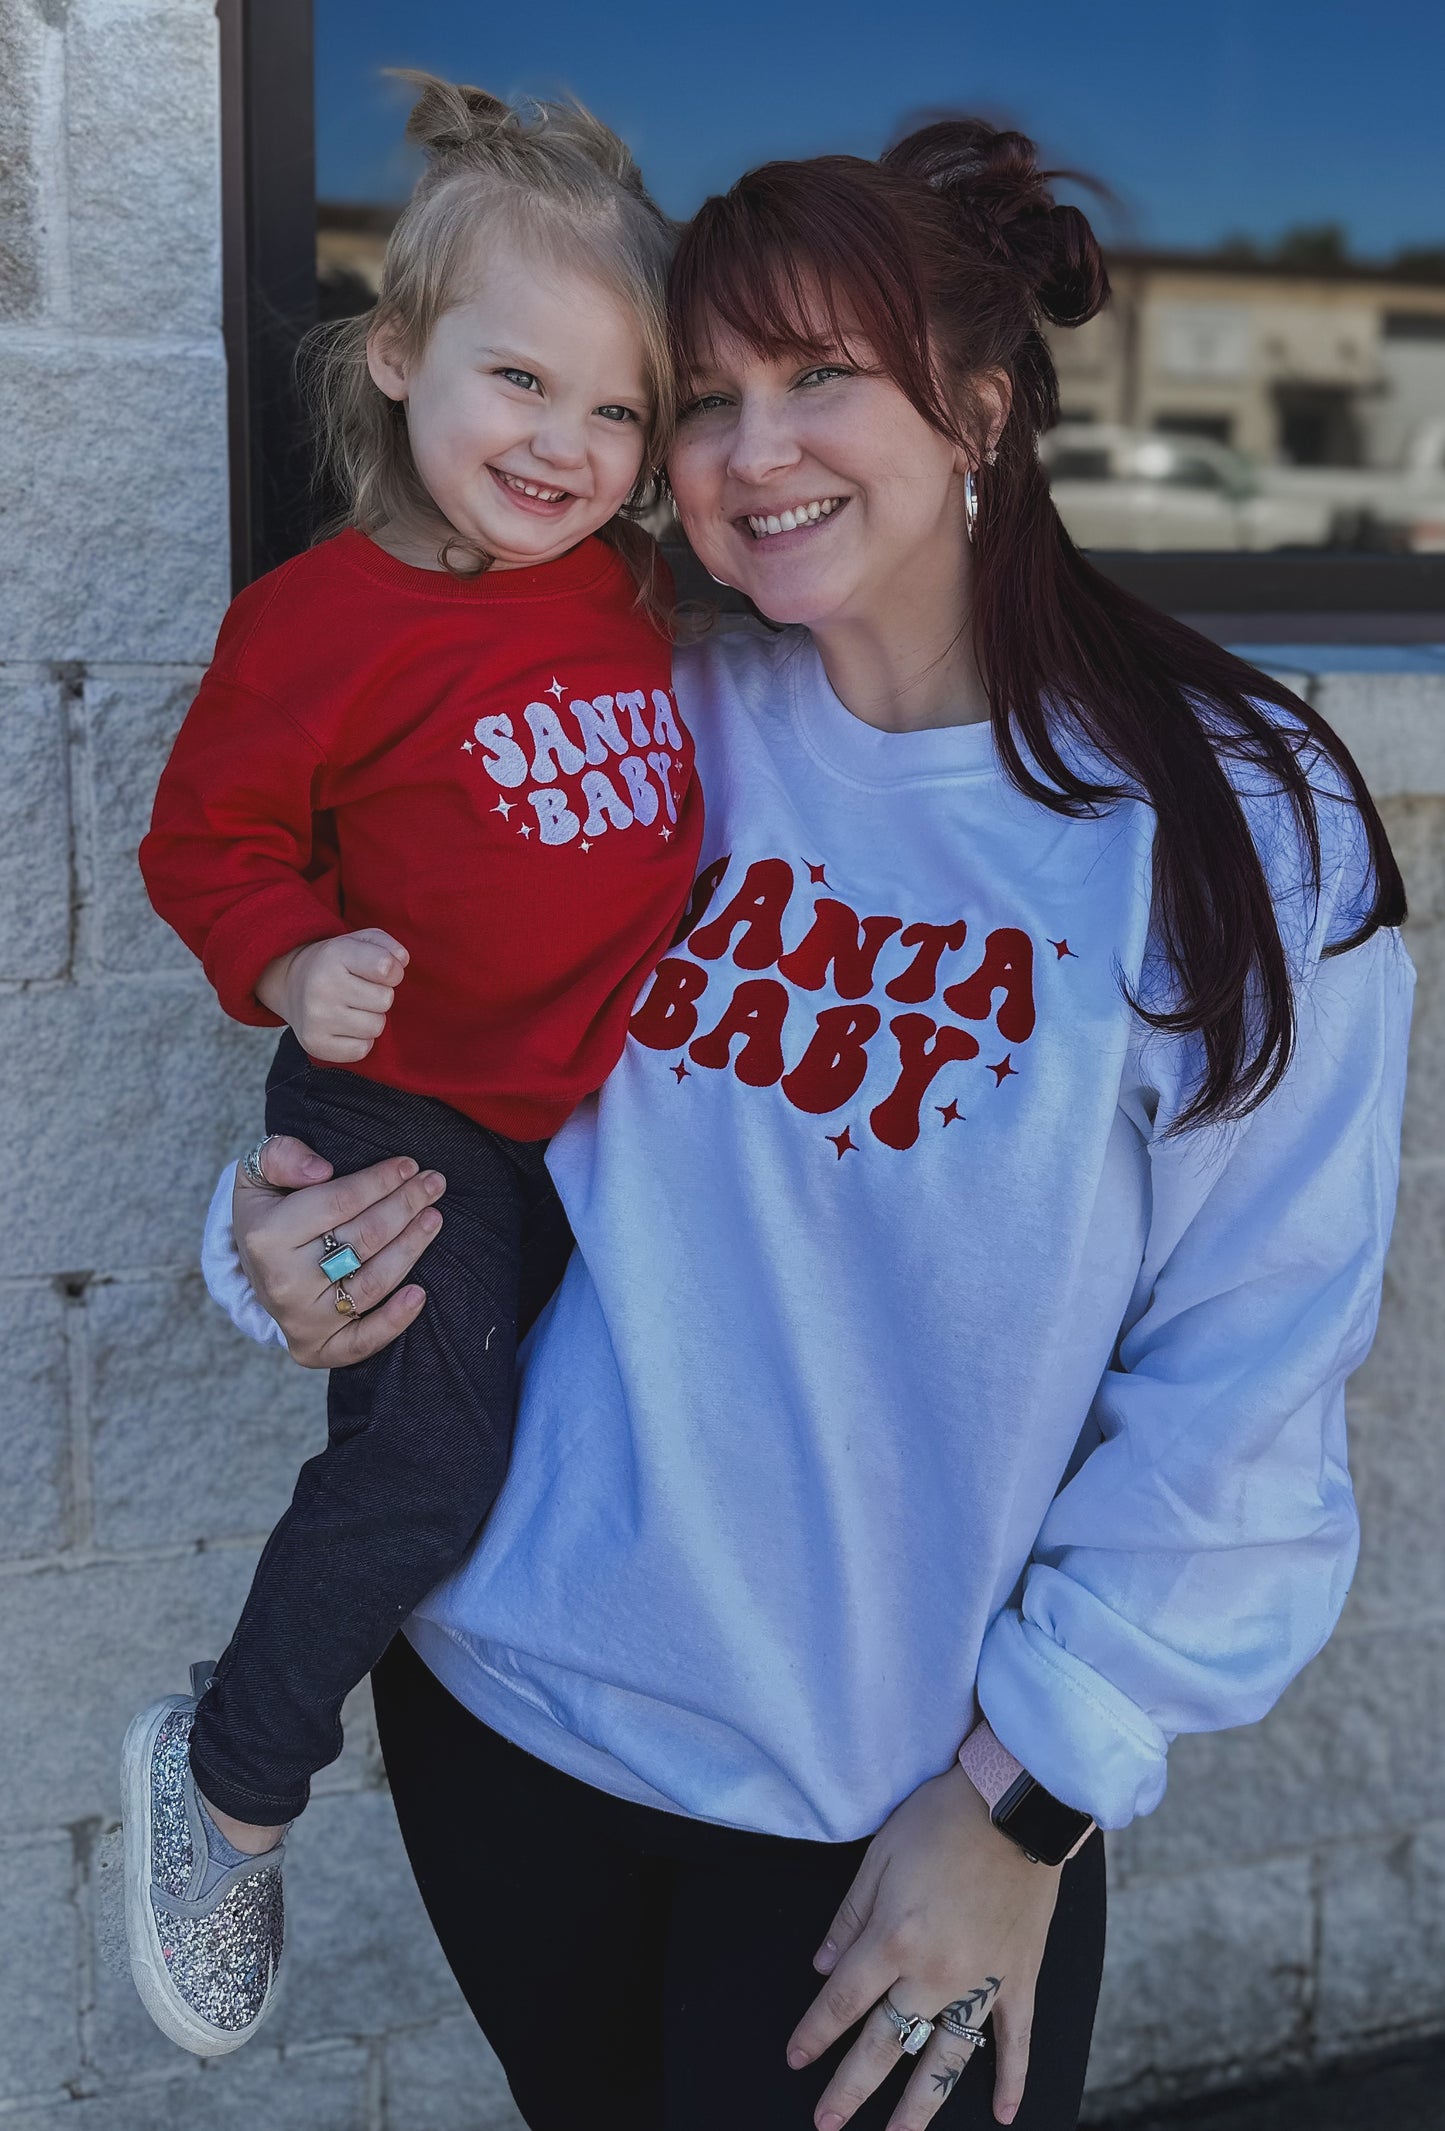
(206, 1963)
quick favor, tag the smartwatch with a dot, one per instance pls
(1045, 1829)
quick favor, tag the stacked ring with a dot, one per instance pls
(338, 1260)
(251, 1160)
(952, 2025)
(345, 1307)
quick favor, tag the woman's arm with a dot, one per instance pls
(1201, 1554)
(262, 1250)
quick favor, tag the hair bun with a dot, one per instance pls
(450, 118)
(991, 176)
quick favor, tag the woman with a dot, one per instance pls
(972, 1244)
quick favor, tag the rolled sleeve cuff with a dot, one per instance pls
(1073, 1731)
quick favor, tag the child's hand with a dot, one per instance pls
(336, 994)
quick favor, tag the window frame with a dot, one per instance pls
(269, 245)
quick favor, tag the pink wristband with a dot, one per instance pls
(988, 1765)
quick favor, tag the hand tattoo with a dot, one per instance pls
(974, 2007)
(947, 2081)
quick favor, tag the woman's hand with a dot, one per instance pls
(386, 1213)
(945, 1913)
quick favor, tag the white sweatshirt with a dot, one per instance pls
(902, 1356)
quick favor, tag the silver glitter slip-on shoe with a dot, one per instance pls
(206, 1966)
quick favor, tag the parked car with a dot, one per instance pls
(1399, 508)
(1131, 488)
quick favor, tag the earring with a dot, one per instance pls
(970, 502)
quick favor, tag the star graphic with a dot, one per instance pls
(467, 746)
(556, 688)
(666, 835)
(526, 829)
(952, 1115)
(818, 876)
(504, 807)
(584, 845)
(681, 1072)
(1003, 1070)
(1062, 948)
(843, 1141)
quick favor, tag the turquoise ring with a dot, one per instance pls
(339, 1259)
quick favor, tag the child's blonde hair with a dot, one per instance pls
(552, 174)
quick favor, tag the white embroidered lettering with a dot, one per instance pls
(604, 803)
(555, 819)
(665, 731)
(634, 702)
(554, 751)
(598, 724)
(639, 789)
(504, 762)
(662, 764)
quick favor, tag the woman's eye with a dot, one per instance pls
(705, 403)
(619, 414)
(822, 372)
(524, 378)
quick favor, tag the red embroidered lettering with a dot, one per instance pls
(832, 939)
(923, 1051)
(918, 982)
(1007, 966)
(756, 1010)
(704, 888)
(758, 905)
(667, 1016)
(831, 1070)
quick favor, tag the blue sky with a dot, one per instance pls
(1249, 115)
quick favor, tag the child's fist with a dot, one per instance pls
(336, 994)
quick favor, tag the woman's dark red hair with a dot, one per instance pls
(944, 258)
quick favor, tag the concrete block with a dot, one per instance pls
(196, 1433)
(1402, 1369)
(22, 230)
(128, 1097)
(83, 1650)
(39, 2018)
(446, 2078)
(1424, 1127)
(363, 1956)
(34, 1422)
(131, 721)
(34, 830)
(1356, 1747)
(142, 110)
(1416, 829)
(324, 2090)
(113, 502)
(1393, 724)
(1398, 1458)
(1204, 1971)
(1382, 1941)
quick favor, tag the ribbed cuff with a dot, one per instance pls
(1075, 1733)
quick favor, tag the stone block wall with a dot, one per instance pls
(1285, 1901)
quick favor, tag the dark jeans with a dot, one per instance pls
(637, 1969)
(417, 1439)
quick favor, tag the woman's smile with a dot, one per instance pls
(793, 518)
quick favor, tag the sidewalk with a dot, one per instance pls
(1402, 2093)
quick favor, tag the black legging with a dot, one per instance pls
(638, 1969)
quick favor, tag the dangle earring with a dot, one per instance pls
(970, 502)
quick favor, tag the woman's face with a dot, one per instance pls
(818, 490)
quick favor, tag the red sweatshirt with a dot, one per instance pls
(492, 769)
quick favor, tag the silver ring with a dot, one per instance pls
(952, 2025)
(338, 1260)
(911, 2029)
(251, 1161)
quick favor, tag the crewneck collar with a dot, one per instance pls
(581, 568)
(864, 753)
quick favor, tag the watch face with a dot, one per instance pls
(1038, 1822)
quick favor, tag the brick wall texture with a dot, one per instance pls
(1283, 1905)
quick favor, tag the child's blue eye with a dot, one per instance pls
(619, 414)
(524, 378)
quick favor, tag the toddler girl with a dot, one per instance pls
(434, 810)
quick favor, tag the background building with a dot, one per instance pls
(1283, 1909)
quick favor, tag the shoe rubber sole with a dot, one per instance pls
(152, 1979)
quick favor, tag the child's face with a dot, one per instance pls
(527, 410)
